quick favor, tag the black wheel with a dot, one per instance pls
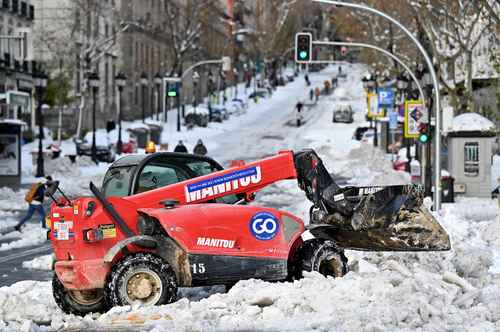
(77, 302)
(141, 277)
(323, 257)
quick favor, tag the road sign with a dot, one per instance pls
(374, 111)
(393, 120)
(414, 114)
(386, 97)
(303, 47)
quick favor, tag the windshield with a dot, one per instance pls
(117, 181)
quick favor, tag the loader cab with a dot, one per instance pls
(134, 174)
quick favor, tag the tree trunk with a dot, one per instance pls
(469, 93)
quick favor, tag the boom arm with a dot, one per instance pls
(248, 178)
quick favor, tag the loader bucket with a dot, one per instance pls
(387, 219)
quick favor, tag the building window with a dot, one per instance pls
(471, 159)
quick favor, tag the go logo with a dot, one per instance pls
(264, 226)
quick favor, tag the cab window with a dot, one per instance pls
(157, 176)
(117, 181)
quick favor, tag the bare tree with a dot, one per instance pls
(454, 28)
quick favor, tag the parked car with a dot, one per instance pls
(359, 131)
(261, 93)
(343, 113)
(219, 114)
(104, 152)
(369, 135)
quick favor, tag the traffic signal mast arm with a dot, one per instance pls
(246, 179)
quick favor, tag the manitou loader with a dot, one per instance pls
(168, 220)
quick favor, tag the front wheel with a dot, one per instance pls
(143, 278)
(323, 257)
(77, 302)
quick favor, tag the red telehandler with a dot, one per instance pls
(175, 220)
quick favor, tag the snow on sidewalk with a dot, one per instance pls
(386, 291)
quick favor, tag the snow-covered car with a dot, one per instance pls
(369, 135)
(219, 114)
(104, 152)
(197, 116)
(261, 93)
(343, 113)
(359, 131)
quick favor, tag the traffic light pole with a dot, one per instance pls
(428, 60)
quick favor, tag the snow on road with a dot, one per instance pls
(455, 290)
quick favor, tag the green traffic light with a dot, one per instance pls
(303, 54)
(423, 138)
(172, 93)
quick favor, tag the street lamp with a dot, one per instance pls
(40, 81)
(144, 83)
(196, 78)
(158, 81)
(120, 80)
(94, 84)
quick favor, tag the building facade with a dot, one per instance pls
(15, 73)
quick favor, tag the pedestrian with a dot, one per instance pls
(200, 148)
(317, 92)
(306, 77)
(311, 94)
(181, 148)
(35, 197)
(298, 114)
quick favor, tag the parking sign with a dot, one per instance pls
(386, 97)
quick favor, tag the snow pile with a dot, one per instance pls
(40, 263)
(26, 300)
(472, 122)
(369, 166)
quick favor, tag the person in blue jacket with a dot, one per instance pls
(36, 205)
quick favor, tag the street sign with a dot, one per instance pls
(414, 114)
(374, 111)
(386, 97)
(393, 120)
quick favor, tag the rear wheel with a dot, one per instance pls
(323, 257)
(143, 278)
(77, 302)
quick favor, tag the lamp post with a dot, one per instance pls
(427, 82)
(40, 80)
(158, 81)
(121, 80)
(94, 84)
(196, 78)
(144, 83)
(210, 85)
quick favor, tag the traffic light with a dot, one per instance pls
(303, 47)
(172, 90)
(424, 135)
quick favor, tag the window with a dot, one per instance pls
(117, 181)
(471, 159)
(157, 176)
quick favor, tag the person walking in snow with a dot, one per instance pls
(298, 114)
(311, 94)
(306, 77)
(35, 197)
(200, 149)
(181, 148)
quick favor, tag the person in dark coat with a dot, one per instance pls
(200, 148)
(35, 205)
(181, 148)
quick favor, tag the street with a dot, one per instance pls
(264, 165)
